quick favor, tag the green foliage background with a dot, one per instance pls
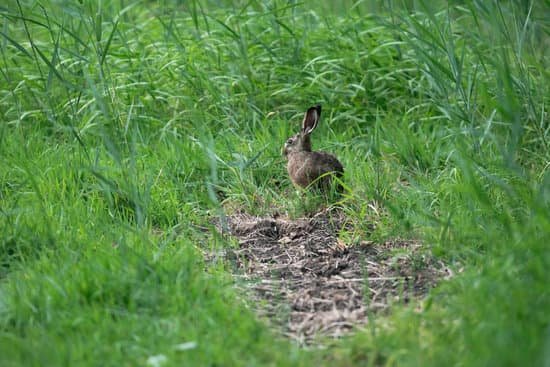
(126, 126)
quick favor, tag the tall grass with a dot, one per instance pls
(127, 126)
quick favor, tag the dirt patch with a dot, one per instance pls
(312, 284)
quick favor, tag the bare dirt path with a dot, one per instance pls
(310, 283)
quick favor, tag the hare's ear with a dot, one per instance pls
(311, 119)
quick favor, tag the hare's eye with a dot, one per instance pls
(290, 141)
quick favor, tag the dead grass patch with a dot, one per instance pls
(309, 282)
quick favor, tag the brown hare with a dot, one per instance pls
(308, 168)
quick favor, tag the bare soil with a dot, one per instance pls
(308, 282)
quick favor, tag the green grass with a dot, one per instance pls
(126, 127)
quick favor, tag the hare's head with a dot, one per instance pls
(301, 142)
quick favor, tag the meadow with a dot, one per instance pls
(127, 126)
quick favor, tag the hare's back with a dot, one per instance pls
(306, 167)
(325, 162)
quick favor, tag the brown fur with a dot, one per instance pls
(306, 166)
